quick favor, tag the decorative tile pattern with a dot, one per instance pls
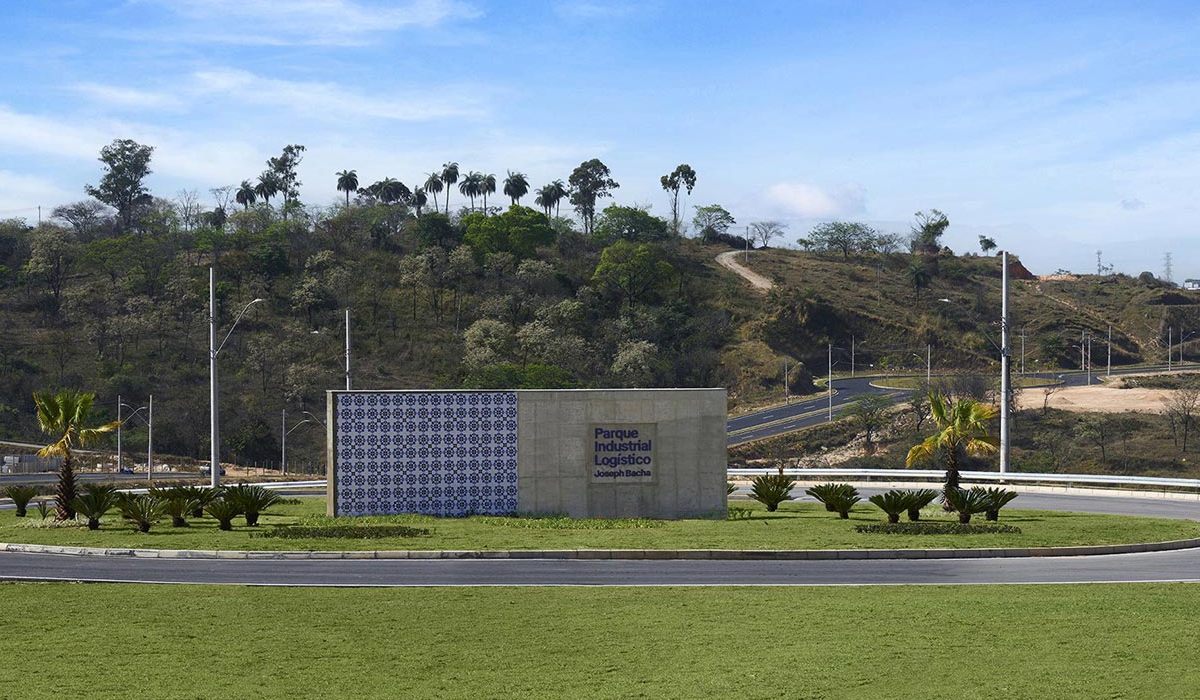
(445, 453)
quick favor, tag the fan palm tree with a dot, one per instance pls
(347, 181)
(487, 185)
(449, 177)
(268, 186)
(560, 193)
(433, 185)
(472, 186)
(245, 195)
(962, 427)
(64, 415)
(545, 199)
(516, 186)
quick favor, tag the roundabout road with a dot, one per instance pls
(1180, 565)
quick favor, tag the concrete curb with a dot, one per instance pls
(626, 554)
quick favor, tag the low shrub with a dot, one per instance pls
(94, 503)
(997, 498)
(178, 502)
(251, 500)
(918, 499)
(892, 502)
(142, 510)
(21, 496)
(738, 513)
(966, 502)
(223, 511)
(349, 532)
(43, 508)
(562, 522)
(825, 492)
(838, 498)
(935, 528)
(771, 490)
(201, 496)
(730, 487)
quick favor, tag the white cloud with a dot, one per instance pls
(126, 97)
(1132, 204)
(29, 133)
(21, 193)
(591, 11)
(309, 22)
(331, 102)
(807, 201)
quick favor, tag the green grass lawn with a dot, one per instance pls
(927, 642)
(794, 526)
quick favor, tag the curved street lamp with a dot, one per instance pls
(213, 351)
(148, 419)
(283, 441)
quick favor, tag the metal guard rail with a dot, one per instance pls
(918, 474)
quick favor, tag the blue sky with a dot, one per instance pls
(1057, 128)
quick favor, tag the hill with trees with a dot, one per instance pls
(110, 296)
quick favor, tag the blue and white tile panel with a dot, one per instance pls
(434, 453)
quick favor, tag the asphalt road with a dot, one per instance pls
(814, 411)
(1181, 565)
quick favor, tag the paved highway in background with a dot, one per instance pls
(815, 410)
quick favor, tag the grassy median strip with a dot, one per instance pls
(952, 642)
(793, 526)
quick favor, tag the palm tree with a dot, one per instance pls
(560, 193)
(63, 415)
(449, 177)
(419, 200)
(487, 185)
(472, 186)
(433, 185)
(919, 276)
(347, 181)
(245, 195)
(516, 186)
(268, 186)
(962, 426)
(545, 199)
(389, 190)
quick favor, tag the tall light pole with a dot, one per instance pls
(149, 421)
(283, 441)
(1108, 372)
(213, 349)
(1004, 363)
(1170, 343)
(830, 381)
(347, 349)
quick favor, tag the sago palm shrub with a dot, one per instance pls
(201, 496)
(771, 490)
(997, 498)
(891, 502)
(21, 496)
(918, 499)
(252, 500)
(95, 502)
(223, 511)
(824, 493)
(178, 502)
(966, 502)
(143, 510)
(842, 501)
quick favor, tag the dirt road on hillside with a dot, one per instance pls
(729, 262)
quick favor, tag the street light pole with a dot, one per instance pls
(347, 349)
(1108, 372)
(119, 465)
(928, 366)
(830, 381)
(1004, 363)
(214, 432)
(150, 439)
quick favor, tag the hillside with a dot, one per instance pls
(488, 300)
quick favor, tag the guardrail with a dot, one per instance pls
(272, 485)
(939, 475)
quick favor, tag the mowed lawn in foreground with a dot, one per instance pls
(794, 526)
(927, 642)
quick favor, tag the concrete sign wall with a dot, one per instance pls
(587, 453)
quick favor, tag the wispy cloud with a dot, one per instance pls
(1132, 204)
(309, 22)
(807, 201)
(127, 97)
(329, 101)
(605, 9)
